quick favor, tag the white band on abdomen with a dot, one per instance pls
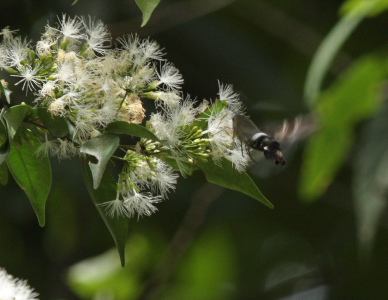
(257, 135)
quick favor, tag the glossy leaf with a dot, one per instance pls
(3, 174)
(121, 127)
(32, 173)
(14, 117)
(147, 7)
(6, 92)
(101, 147)
(118, 226)
(225, 175)
(351, 99)
(57, 126)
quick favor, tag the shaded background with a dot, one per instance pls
(242, 250)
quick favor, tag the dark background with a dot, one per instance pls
(263, 48)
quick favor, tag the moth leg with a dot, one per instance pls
(249, 154)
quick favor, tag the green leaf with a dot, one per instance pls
(32, 173)
(202, 119)
(325, 54)
(4, 144)
(121, 127)
(14, 117)
(7, 92)
(352, 98)
(225, 175)
(118, 226)
(3, 174)
(359, 7)
(370, 184)
(101, 147)
(147, 7)
(57, 126)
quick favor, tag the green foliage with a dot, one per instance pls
(224, 175)
(32, 173)
(204, 273)
(324, 56)
(7, 92)
(121, 127)
(102, 148)
(106, 191)
(356, 96)
(147, 7)
(362, 7)
(14, 117)
(57, 126)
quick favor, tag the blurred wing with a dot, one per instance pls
(292, 132)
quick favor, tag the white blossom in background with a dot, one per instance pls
(74, 73)
(12, 288)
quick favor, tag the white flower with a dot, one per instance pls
(7, 34)
(29, 77)
(233, 99)
(97, 35)
(171, 77)
(70, 28)
(168, 126)
(131, 43)
(57, 107)
(48, 89)
(66, 149)
(238, 159)
(14, 288)
(219, 132)
(171, 99)
(140, 203)
(43, 48)
(115, 208)
(151, 50)
(165, 179)
(16, 51)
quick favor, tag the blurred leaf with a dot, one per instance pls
(370, 184)
(14, 117)
(101, 275)
(57, 126)
(7, 92)
(206, 272)
(32, 173)
(147, 7)
(3, 174)
(326, 53)
(225, 175)
(351, 99)
(121, 127)
(101, 147)
(364, 7)
(118, 227)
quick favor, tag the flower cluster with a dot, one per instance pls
(75, 74)
(15, 288)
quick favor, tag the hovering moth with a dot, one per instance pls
(249, 135)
